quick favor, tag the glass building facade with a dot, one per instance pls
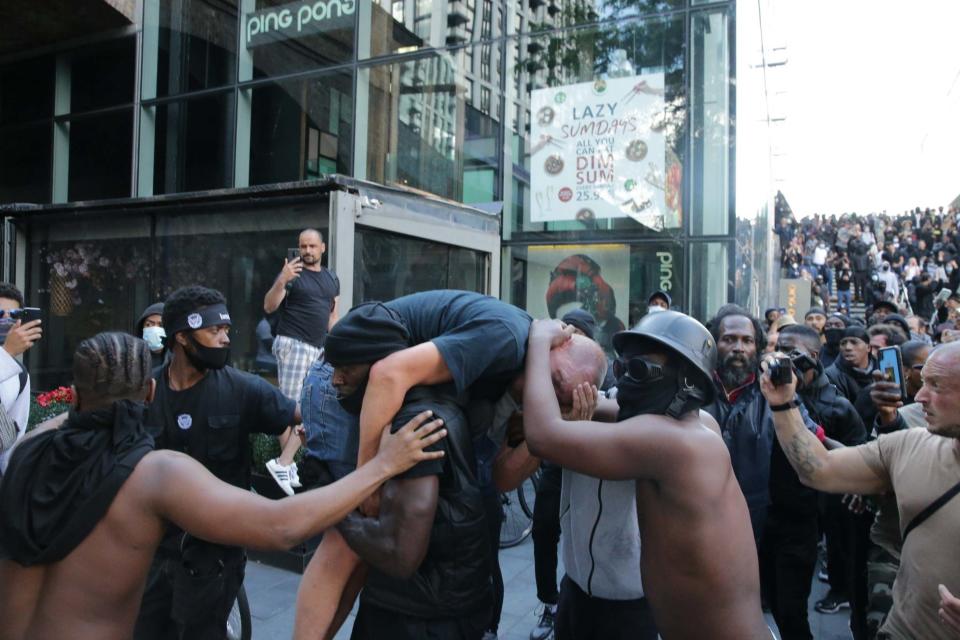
(446, 98)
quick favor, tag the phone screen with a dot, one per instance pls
(891, 367)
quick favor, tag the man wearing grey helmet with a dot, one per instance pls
(687, 496)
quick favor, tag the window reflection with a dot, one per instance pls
(424, 132)
(388, 265)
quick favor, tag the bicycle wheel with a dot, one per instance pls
(517, 514)
(239, 626)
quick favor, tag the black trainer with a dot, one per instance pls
(544, 628)
(832, 603)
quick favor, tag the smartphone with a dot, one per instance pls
(26, 314)
(941, 296)
(891, 366)
(293, 254)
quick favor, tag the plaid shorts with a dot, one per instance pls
(294, 359)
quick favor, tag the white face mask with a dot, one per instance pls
(154, 336)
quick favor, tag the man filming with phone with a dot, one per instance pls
(19, 330)
(301, 307)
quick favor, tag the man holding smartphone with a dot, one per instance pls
(304, 300)
(18, 332)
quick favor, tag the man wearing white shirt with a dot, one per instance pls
(16, 338)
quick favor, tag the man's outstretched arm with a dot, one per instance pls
(836, 471)
(646, 446)
(181, 490)
(396, 541)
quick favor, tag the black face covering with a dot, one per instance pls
(647, 396)
(203, 358)
(834, 336)
(353, 402)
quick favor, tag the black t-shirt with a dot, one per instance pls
(482, 340)
(305, 311)
(212, 420)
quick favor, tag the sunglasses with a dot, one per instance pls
(13, 314)
(638, 368)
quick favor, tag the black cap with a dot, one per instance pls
(885, 303)
(843, 318)
(897, 320)
(813, 310)
(582, 320)
(853, 331)
(369, 332)
(660, 293)
(156, 309)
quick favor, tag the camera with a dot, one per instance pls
(781, 371)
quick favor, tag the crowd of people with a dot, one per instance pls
(904, 260)
(689, 481)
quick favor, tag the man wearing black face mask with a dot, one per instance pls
(832, 334)
(842, 423)
(207, 410)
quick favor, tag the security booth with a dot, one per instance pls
(95, 266)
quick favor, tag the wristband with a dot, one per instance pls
(786, 406)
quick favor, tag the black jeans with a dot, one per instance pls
(546, 532)
(190, 600)
(836, 520)
(374, 623)
(494, 512)
(583, 617)
(788, 557)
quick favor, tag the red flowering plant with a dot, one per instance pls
(47, 405)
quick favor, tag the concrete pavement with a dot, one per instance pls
(272, 593)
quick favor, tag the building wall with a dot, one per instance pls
(431, 95)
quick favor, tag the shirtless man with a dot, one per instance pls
(93, 499)
(699, 561)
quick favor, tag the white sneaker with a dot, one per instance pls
(280, 475)
(294, 476)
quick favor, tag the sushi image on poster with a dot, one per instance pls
(598, 151)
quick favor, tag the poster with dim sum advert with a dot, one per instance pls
(597, 150)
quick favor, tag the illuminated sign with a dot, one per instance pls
(296, 20)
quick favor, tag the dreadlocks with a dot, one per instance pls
(112, 366)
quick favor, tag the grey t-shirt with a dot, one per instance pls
(600, 536)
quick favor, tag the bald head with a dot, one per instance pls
(940, 393)
(578, 360)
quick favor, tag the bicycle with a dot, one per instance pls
(518, 512)
(239, 625)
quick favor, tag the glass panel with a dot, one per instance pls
(102, 75)
(655, 267)
(197, 45)
(710, 114)
(101, 151)
(598, 119)
(26, 90)
(239, 253)
(388, 265)
(544, 15)
(87, 277)
(280, 37)
(400, 26)
(25, 163)
(194, 144)
(301, 129)
(709, 279)
(423, 131)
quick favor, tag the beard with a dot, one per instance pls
(308, 259)
(735, 369)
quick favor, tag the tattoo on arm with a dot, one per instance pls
(802, 456)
